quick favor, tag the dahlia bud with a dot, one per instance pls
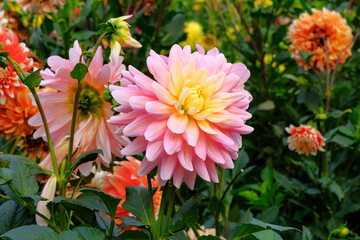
(49, 193)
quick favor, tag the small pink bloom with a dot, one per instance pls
(305, 139)
(92, 130)
(190, 119)
(138, 30)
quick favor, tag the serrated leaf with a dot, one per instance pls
(137, 202)
(98, 200)
(32, 232)
(13, 215)
(79, 71)
(173, 30)
(258, 226)
(103, 222)
(182, 216)
(33, 79)
(89, 233)
(31, 165)
(85, 157)
(5, 175)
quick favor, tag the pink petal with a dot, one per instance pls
(154, 150)
(213, 152)
(146, 166)
(191, 134)
(190, 178)
(167, 167)
(139, 102)
(206, 127)
(155, 130)
(159, 109)
(211, 168)
(138, 126)
(163, 94)
(185, 157)
(172, 142)
(200, 148)
(177, 123)
(200, 168)
(178, 176)
(137, 146)
(96, 63)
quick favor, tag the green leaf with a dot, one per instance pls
(307, 234)
(268, 235)
(22, 179)
(336, 189)
(79, 71)
(209, 238)
(32, 232)
(133, 235)
(5, 175)
(33, 79)
(306, 55)
(342, 140)
(310, 98)
(82, 207)
(31, 165)
(13, 215)
(347, 131)
(187, 213)
(354, 117)
(131, 221)
(98, 200)
(137, 202)
(85, 10)
(89, 233)
(179, 236)
(257, 226)
(269, 215)
(103, 222)
(83, 158)
(174, 30)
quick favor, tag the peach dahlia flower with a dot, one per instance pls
(14, 115)
(92, 130)
(308, 33)
(189, 119)
(305, 139)
(9, 81)
(125, 175)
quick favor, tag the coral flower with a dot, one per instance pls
(9, 82)
(92, 130)
(305, 139)
(310, 32)
(15, 114)
(125, 175)
(189, 119)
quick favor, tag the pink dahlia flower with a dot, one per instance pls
(189, 119)
(9, 81)
(92, 130)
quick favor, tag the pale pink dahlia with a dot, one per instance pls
(189, 119)
(92, 130)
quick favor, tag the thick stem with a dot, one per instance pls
(219, 195)
(151, 205)
(328, 89)
(169, 209)
(47, 131)
(162, 209)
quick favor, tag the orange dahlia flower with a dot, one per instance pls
(125, 175)
(15, 113)
(309, 32)
(305, 139)
(9, 82)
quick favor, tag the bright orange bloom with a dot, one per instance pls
(305, 139)
(9, 83)
(15, 113)
(125, 175)
(309, 32)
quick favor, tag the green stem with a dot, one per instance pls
(47, 131)
(169, 210)
(152, 213)
(161, 211)
(13, 148)
(111, 229)
(219, 195)
(7, 143)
